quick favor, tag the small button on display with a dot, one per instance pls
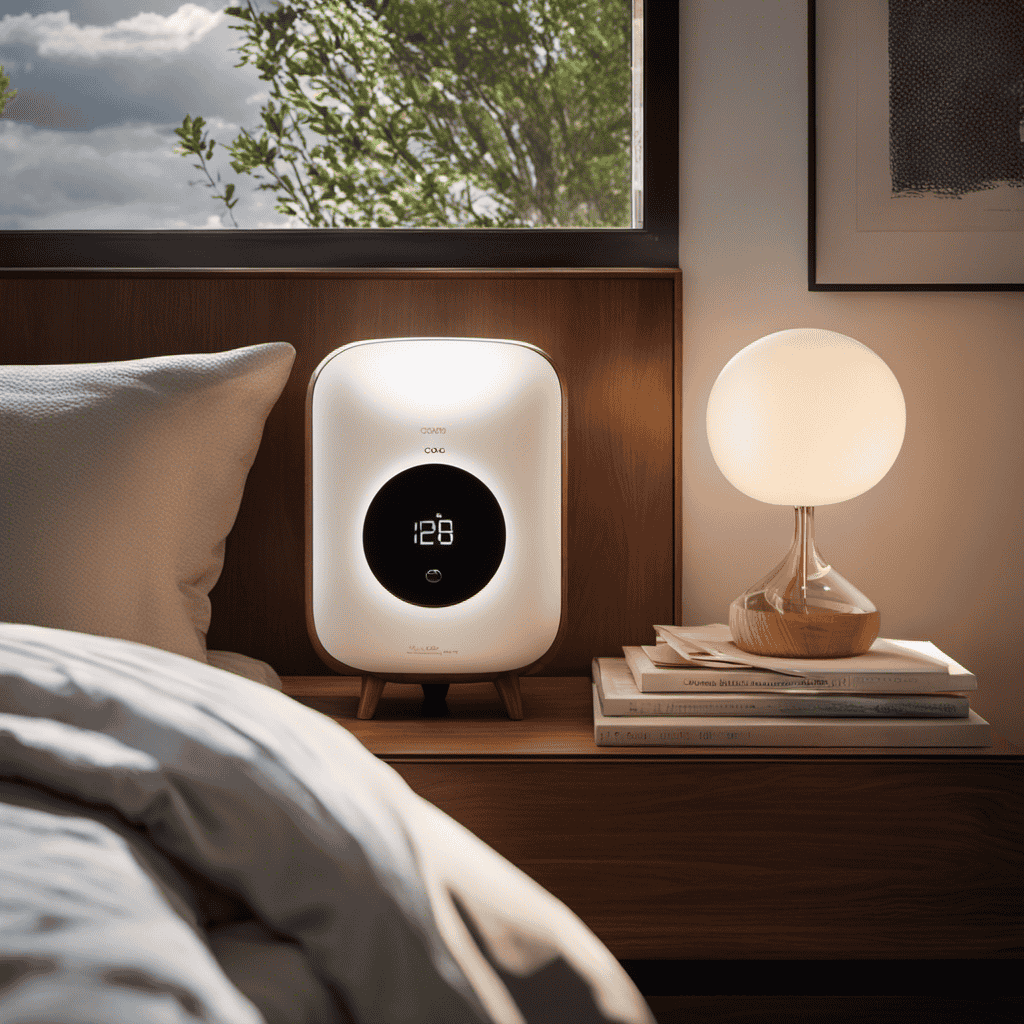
(433, 576)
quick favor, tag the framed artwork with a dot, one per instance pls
(916, 145)
(206, 134)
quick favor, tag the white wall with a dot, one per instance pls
(937, 545)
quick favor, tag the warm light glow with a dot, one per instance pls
(421, 375)
(805, 417)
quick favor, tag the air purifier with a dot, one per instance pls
(435, 514)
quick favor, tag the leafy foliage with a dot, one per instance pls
(6, 93)
(437, 113)
(196, 142)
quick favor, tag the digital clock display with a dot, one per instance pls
(434, 535)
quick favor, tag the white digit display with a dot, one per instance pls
(425, 530)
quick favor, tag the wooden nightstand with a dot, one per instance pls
(762, 857)
(720, 853)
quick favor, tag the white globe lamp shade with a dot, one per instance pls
(805, 417)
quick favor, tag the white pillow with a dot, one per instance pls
(242, 665)
(120, 482)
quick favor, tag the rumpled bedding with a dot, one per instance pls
(180, 844)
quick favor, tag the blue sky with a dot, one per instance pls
(102, 85)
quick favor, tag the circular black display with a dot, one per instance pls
(434, 535)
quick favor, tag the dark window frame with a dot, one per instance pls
(653, 245)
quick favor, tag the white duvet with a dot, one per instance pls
(179, 844)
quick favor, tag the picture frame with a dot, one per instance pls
(905, 191)
(654, 244)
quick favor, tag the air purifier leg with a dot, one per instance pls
(511, 696)
(507, 685)
(372, 688)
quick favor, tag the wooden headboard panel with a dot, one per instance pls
(614, 334)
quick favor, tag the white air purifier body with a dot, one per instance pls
(435, 509)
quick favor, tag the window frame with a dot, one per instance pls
(655, 244)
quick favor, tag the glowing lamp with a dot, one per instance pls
(805, 417)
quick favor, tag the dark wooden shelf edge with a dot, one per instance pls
(860, 978)
(337, 272)
(758, 757)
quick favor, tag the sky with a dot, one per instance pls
(102, 84)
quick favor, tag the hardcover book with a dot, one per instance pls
(620, 696)
(735, 731)
(890, 666)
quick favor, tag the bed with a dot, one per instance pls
(179, 840)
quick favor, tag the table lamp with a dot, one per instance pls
(805, 417)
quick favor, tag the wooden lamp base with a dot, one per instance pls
(803, 608)
(809, 635)
(507, 685)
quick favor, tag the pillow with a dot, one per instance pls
(120, 482)
(242, 665)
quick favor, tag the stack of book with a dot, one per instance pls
(694, 687)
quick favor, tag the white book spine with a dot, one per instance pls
(973, 731)
(651, 679)
(620, 697)
(753, 706)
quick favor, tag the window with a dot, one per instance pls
(491, 219)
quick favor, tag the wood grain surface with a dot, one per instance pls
(721, 853)
(615, 335)
(808, 634)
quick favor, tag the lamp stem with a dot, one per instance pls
(805, 536)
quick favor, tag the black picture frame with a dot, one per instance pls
(833, 214)
(656, 244)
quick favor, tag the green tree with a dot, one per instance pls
(196, 142)
(434, 113)
(6, 93)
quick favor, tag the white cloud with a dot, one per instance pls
(118, 177)
(145, 36)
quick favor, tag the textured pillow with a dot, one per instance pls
(119, 483)
(242, 665)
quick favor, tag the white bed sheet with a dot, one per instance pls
(291, 839)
